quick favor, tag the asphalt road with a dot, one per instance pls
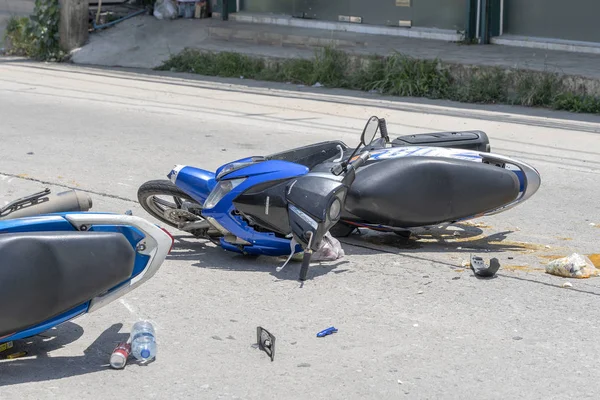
(412, 323)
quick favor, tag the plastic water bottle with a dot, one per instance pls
(143, 341)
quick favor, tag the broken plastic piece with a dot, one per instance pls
(266, 341)
(327, 331)
(483, 270)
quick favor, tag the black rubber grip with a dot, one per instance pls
(383, 127)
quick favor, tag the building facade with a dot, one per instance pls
(483, 20)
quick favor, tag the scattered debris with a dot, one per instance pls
(6, 346)
(241, 76)
(573, 266)
(266, 341)
(166, 9)
(483, 270)
(517, 338)
(30, 153)
(327, 332)
(329, 250)
(456, 278)
(119, 356)
(317, 85)
(16, 355)
(216, 337)
(303, 365)
(416, 325)
(567, 285)
(399, 382)
(420, 292)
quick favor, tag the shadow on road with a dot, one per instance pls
(46, 367)
(204, 254)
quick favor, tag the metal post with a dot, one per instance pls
(501, 17)
(225, 10)
(484, 39)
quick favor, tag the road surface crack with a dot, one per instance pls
(102, 194)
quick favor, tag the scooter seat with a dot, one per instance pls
(420, 191)
(44, 274)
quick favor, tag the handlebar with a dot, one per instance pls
(383, 129)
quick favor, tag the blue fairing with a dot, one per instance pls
(196, 182)
(36, 224)
(261, 243)
(44, 326)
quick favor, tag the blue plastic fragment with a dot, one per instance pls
(327, 331)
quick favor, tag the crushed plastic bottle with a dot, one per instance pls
(143, 341)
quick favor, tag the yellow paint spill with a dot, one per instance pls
(521, 268)
(459, 270)
(477, 225)
(551, 257)
(595, 259)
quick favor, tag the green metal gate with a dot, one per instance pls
(557, 19)
(442, 14)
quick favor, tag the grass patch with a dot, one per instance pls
(36, 37)
(16, 36)
(396, 75)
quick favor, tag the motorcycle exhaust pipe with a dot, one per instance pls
(46, 203)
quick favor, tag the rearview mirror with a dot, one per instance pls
(370, 131)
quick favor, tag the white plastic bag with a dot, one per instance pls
(330, 249)
(573, 266)
(166, 9)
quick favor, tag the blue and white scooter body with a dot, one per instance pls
(150, 245)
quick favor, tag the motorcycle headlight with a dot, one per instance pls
(220, 191)
(335, 209)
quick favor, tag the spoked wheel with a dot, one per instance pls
(169, 204)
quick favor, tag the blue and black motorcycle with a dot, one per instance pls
(58, 261)
(285, 202)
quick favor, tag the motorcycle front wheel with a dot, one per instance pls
(167, 203)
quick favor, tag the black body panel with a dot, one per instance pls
(420, 191)
(45, 274)
(310, 199)
(310, 155)
(469, 140)
(253, 204)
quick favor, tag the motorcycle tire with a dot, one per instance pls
(162, 188)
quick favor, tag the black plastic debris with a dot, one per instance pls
(266, 341)
(481, 269)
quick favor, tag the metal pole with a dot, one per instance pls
(501, 17)
(225, 10)
(477, 35)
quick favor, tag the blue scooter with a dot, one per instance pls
(421, 180)
(58, 261)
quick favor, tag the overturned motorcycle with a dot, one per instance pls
(58, 261)
(287, 202)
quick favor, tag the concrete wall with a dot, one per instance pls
(446, 14)
(557, 19)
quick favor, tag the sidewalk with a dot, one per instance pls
(146, 42)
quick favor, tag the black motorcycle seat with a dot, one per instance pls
(310, 155)
(44, 274)
(420, 191)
